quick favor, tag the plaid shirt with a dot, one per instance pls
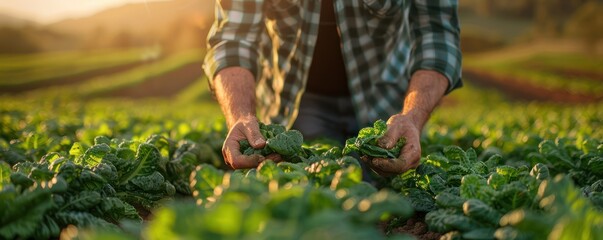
(383, 43)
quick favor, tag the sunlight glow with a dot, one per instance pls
(48, 11)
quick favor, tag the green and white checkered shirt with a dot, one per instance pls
(383, 43)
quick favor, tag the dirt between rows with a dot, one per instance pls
(171, 83)
(571, 73)
(67, 80)
(165, 85)
(521, 90)
(414, 226)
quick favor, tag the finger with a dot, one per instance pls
(388, 165)
(274, 157)
(411, 151)
(390, 137)
(251, 130)
(412, 155)
(244, 161)
(235, 159)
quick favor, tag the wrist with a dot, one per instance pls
(232, 88)
(417, 117)
(240, 117)
(426, 89)
(407, 120)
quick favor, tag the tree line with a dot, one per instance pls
(580, 19)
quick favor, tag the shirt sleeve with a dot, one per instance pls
(436, 39)
(233, 39)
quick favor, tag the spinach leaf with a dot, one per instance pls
(287, 143)
(366, 142)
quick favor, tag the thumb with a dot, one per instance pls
(251, 130)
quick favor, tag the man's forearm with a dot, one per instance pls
(235, 91)
(425, 90)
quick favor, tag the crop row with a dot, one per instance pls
(491, 173)
(576, 74)
(28, 69)
(106, 84)
(131, 79)
(115, 181)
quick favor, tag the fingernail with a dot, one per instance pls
(258, 142)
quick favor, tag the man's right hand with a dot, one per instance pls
(233, 88)
(246, 128)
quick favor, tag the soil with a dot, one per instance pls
(143, 213)
(165, 85)
(571, 73)
(522, 90)
(414, 226)
(67, 80)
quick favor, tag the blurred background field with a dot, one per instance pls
(135, 53)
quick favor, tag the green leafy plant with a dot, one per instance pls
(287, 143)
(366, 142)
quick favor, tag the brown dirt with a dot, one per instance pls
(521, 90)
(143, 212)
(571, 73)
(416, 227)
(166, 85)
(67, 80)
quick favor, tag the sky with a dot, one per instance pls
(48, 11)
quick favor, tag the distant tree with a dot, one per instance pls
(546, 20)
(550, 16)
(587, 24)
(517, 8)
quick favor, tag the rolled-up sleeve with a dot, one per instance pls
(436, 39)
(233, 39)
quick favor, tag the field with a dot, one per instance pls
(558, 76)
(127, 145)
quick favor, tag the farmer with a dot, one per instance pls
(330, 67)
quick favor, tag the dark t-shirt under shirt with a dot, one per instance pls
(327, 74)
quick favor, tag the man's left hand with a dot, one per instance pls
(399, 126)
(425, 90)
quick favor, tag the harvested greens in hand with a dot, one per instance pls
(365, 143)
(287, 143)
